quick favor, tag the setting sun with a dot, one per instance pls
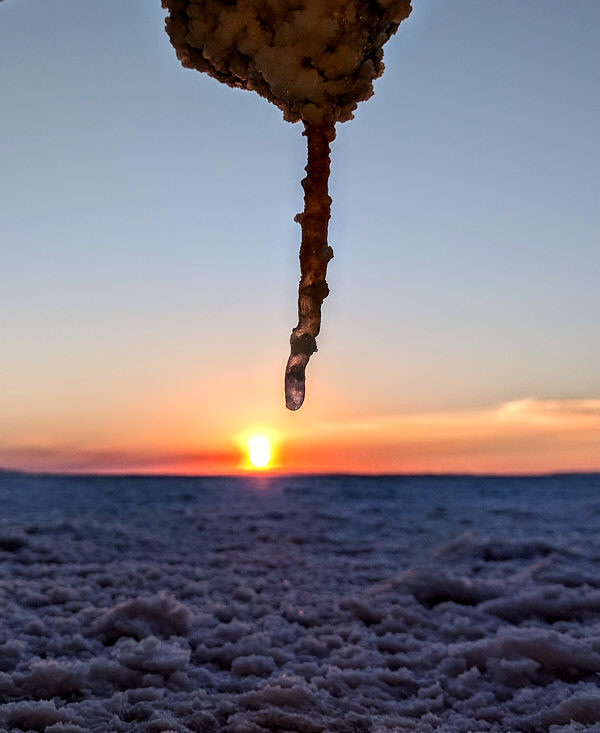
(259, 451)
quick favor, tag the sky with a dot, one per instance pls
(149, 257)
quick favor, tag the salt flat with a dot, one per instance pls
(299, 604)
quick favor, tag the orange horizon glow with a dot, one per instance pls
(520, 437)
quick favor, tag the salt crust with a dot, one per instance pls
(308, 605)
(315, 60)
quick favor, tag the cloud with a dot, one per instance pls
(526, 435)
(557, 410)
(517, 414)
(71, 459)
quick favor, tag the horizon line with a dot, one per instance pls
(297, 474)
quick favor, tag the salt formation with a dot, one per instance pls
(316, 61)
(313, 604)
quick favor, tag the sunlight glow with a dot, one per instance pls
(259, 451)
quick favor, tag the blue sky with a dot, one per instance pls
(148, 254)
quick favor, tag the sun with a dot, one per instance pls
(259, 451)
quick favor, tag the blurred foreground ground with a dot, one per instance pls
(304, 605)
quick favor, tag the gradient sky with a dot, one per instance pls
(148, 254)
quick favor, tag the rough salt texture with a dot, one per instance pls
(315, 60)
(308, 605)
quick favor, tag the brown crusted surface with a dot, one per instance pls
(315, 253)
(314, 59)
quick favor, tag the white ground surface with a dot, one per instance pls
(306, 605)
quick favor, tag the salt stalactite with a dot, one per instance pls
(315, 60)
(315, 253)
